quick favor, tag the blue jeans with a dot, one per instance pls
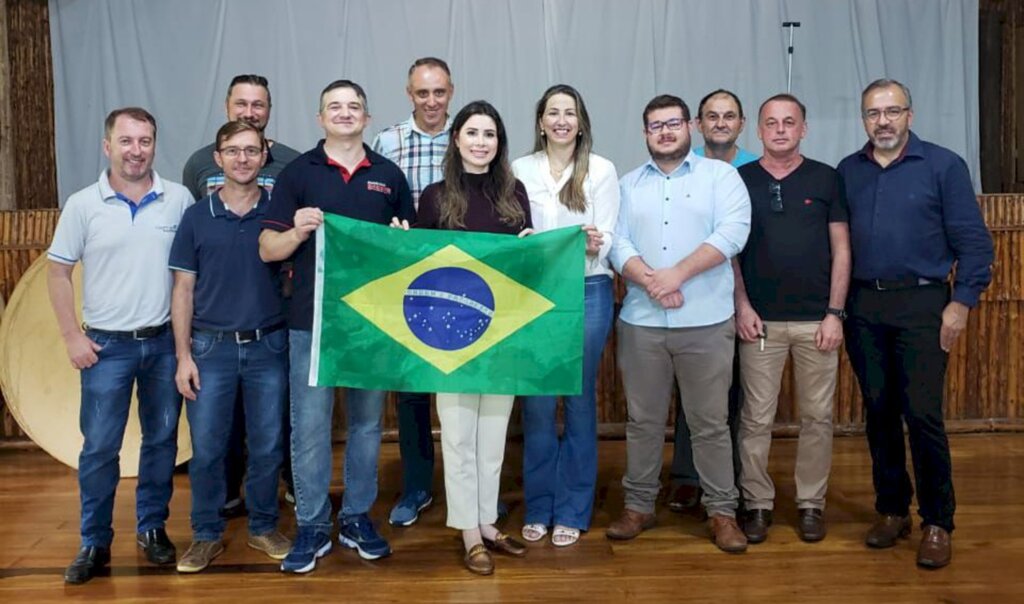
(559, 474)
(260, 370)
(106, 399)
(311, 410)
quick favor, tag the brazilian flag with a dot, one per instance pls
(447, 311)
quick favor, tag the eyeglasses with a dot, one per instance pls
(775, 190)
(891, 113)
(233, 152)
(675, 124)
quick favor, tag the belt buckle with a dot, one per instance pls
(878, 285)
(240, 340)
(137, 337)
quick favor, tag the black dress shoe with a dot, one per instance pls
(236, 508)
(811, 526)
(755, 525)
(684, 498)
(158, 548)
(87, 564)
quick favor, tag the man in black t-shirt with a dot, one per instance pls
(791, 284)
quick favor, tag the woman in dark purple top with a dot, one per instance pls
(478, 193)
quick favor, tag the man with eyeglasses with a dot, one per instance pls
(682, 217)
(791, 285)
(230, 346)
(720, 120)
(248, 100)
(913, 213)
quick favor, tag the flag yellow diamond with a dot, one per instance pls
(448, 308)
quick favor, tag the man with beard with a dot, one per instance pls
(913, 213)
(720, 120)
(121, 229)
(682, 217)
(248, 101)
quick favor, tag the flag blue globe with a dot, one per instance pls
(448, 308)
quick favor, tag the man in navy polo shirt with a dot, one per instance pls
(913, 213)
(230, 338)
(343, 176)
(121, 228)
(248, 100)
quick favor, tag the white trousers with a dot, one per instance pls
(473, 430)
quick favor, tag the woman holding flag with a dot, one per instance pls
(479, 193)
(568, 185)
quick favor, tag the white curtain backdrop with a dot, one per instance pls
(176, 59)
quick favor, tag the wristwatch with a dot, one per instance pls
(839, 312)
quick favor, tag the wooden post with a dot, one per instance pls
(6, 131)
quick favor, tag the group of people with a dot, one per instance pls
(787, 253)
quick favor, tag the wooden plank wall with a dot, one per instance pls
(984, 386)
(30, 93)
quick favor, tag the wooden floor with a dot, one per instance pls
(674, 562)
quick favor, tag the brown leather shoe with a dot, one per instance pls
(887, 529)
(684, 498)
(811, 526)
(727, 534)
(506, 544)
(478, 560)
(630, 524)
(936, 549)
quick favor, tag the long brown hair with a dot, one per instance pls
(499, 183)
(572, 194)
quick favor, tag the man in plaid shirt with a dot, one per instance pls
(418, 145)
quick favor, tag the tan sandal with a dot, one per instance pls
(564, 536)
(534, 532)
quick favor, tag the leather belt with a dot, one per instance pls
(882, 285)
(245, 336)
(136, 334)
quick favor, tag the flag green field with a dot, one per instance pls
(447, 311)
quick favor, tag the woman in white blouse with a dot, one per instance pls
(568, 185)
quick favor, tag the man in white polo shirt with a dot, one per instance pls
(121, 229)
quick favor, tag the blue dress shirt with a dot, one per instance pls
(914, 217)
(664, 218)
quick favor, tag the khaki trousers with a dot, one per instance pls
(473, 430)
(699, 359)
(761, 377)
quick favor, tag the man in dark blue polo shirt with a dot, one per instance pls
(229, 336)
(343, 176)
(913, 213)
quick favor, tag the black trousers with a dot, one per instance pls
(892, 338)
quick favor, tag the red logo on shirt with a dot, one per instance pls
(378, 187)
(808, 202)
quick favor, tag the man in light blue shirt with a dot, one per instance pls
(720, 120)
(681, 219)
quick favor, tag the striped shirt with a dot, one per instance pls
(418, 154)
